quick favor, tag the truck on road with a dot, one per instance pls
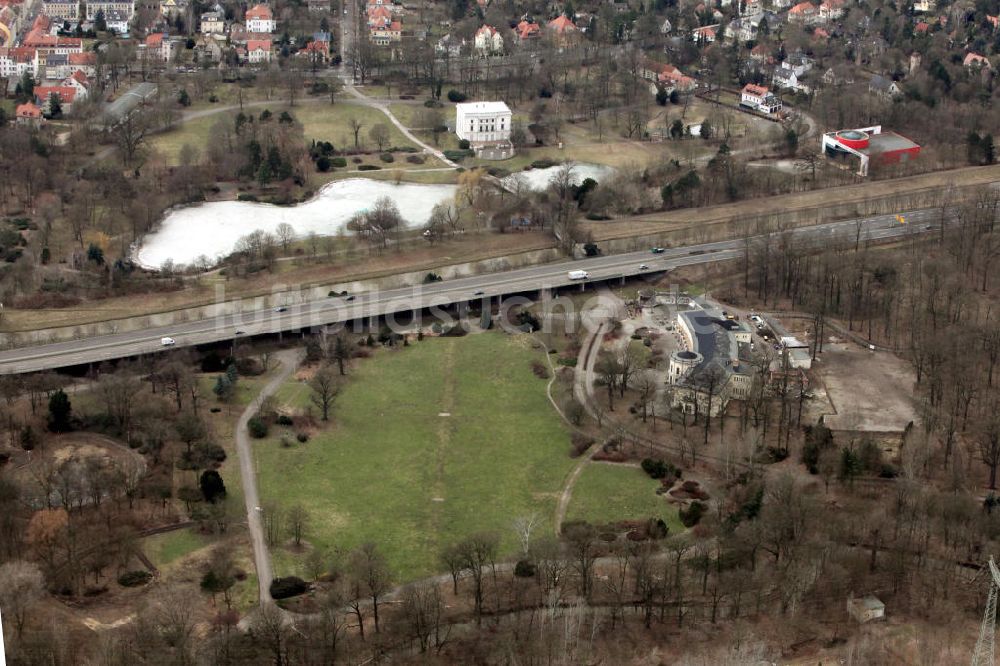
(578, 275)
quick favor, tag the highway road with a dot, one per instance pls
(436, 295)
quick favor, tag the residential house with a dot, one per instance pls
(258, 51)
(976, 61)
(838, 75)
(450, 45)
(562, 30)
(798, 62)
(706, 34)
(80, 82)
(760, 53)
(924, 6)
(316, 51)
(820, 35)
(385, 35)
(882, 87)
(752, 7)
(65, 94)
(830, 10)
(488, 41)
(172, 8)
(759, 98)
(787, 78)
(117, 21)
(672, 78)
(259, 18)
(527, 30)
(213, 23)
(804, 12)
(28, 115)
(921, 28)
(86, 62)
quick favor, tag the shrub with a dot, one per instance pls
(692, 515)
(464, 144)
(323, 164)
(387, 158)
(257, 427)
(302, 437)
(524, 569)
(415, 159)
(654, 467)
(283, 588)
(243, 196)
(285, 420)
(458, 155)
(543, 164)
(432, 277)
(134, 578)
(338, 162)
(456, 96)
(432, 104)
(369, 167)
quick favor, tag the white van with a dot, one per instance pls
(168, 342)
(578, 275)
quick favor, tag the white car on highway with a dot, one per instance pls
(168, 342)
(578, 275)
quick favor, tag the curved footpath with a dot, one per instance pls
(289, 360)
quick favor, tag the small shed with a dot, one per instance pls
(865, 609)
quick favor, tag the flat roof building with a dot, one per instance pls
(869, 145)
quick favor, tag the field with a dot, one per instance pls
(613, 492)
(431, 443)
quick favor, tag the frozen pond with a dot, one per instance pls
(212, 229)
(539, 179)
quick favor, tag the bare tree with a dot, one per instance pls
(523, 527)
(286, 234)
(22, 586)
(379, 133)
(297, 520)
(324, 390)
(369, 568)
(355, 124)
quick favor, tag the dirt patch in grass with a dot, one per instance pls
(869, 391)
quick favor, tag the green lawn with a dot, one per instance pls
(163, 549)
(393, 470)
(194, 133)
(606, 493)
(331, 122)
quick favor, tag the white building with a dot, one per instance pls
(489, 41)
(213, 23)
(759, 99)
(258, 51)
(260, 19)
(483, 122)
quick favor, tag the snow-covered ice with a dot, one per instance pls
(212, 229)
(539, 179)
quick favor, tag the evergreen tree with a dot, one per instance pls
(60, 412)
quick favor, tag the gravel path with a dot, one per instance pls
(289, 360)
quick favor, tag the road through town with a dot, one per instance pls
(440, 294)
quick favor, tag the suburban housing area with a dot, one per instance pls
(400, 331)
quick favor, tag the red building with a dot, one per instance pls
(870, 145)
